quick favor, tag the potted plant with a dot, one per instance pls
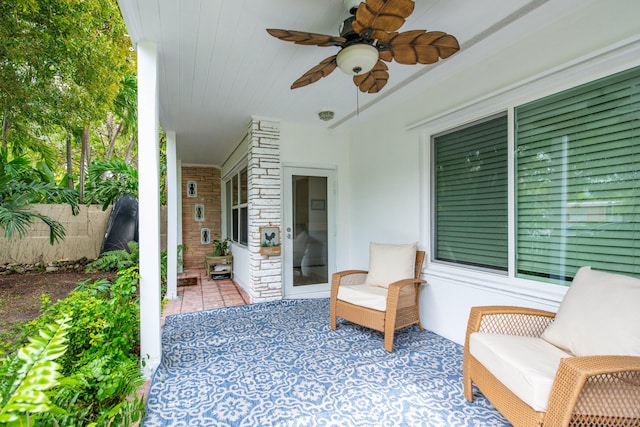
(221, 246)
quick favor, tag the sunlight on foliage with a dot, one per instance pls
(37, 373)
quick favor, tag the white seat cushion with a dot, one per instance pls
(364, 295)
(525, 365)
(390, 263)
(599, 315)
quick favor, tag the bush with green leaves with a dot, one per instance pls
(27, 378)
(101, 362)
(116, 260)
(121, 259)
(108, 180)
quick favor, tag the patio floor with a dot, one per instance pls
(197, 292)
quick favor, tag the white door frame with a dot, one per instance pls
(315, 290)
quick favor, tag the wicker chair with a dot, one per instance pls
(592, 390)
(402, 303)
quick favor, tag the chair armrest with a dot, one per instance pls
(344, 274)
(593, 388)
(409, 289)
(405, 282)
(509, 320)
(346, 277)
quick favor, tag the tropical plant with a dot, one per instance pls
(22, 185)
(116, 260)
(27, 378)
(221, 246)
(108, 180)
(126, 109)
(101, 364)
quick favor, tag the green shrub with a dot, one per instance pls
(27, 377)
(116, 260)
(102, 358)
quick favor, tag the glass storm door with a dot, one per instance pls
(308, 234)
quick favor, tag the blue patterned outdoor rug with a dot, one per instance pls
(279, 364)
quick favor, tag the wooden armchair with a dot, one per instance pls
(566, 389)
(384, 309)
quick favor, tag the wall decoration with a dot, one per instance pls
(270, 240)
(199, 213)
(192, 189)
(318, 205)
(205, 236)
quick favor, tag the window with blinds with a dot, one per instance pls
(237, 208)
(578, 180)
(471, 205)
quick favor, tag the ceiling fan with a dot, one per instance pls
(367, 38)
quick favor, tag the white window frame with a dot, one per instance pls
(598, 64)
(228, 209)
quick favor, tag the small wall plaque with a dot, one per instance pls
(199, 213)
(205, 236)
(270, 241)
(192, 189)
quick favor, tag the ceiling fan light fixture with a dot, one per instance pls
(357, 59)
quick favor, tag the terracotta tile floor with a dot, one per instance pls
(199, 292)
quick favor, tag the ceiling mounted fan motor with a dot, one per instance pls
(351, 5)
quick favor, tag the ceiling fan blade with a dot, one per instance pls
(418, 47)
(304, 38)
(323, 69)
(374, 80)
(384, 15)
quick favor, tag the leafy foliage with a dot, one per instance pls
(101, 364)
(31, 373)
(63, 62)
(108, 180)
(22, 185)
(117, 260)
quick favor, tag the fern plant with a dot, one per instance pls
(31, 373)
(116, 260)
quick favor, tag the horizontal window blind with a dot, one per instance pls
(578, 180)
(470, 178)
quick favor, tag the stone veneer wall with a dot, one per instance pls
(264, 207)
(208, 194)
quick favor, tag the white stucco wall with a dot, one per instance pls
(381, 157)
(388, 151)
(314, 146)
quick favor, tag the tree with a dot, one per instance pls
(61, 66)
(126, 109)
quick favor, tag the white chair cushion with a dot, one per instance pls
(599, 315)
(390, 263)
(525, 365)
(364, 295)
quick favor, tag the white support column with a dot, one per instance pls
(149, 207)
(179, 207)
(173, 191)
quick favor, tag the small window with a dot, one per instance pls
(237, 207)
